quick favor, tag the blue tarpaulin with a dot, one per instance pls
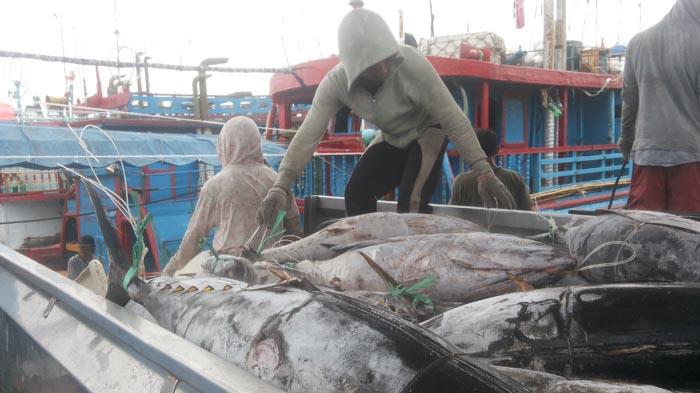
(46, 147)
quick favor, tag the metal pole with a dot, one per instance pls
(548, 39)
(138, 72)
(18, 97)
(617, 181)
(116, 33)
(560, 34)
(145, 75)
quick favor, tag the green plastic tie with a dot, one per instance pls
(277, 229)
(139, 245)
(204, 242)
(414, 292)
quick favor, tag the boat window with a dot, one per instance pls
(262, 104)
(187, 105)
(245, 105)
(228, 105)
(165, 104)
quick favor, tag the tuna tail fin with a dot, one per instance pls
(118, 260)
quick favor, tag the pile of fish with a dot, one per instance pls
(324, 314)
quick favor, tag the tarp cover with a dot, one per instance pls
(46, 147)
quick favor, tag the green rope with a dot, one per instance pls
(139, 245)
(414, 292)
(205, 242)
(277, 229)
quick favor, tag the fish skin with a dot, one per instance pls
(550, 383)
(304, 340)
(317, 247)
(648, 333)
(667, 247)
(467, 266)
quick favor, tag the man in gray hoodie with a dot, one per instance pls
(397, 89)
(661, 112)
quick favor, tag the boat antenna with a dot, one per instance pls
(284, 44)
(59, 16)
(116, 33)
(432, 19)
(640, 15)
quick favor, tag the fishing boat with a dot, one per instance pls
(557, 128)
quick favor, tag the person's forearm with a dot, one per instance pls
(468, 147)
(301, 149)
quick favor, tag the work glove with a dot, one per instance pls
(276, 200)
(625, 147)
(492, 192)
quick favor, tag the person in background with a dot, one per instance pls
(661, 112)
(77, 263)
(394, 87)
(228, 200)
(464, 191)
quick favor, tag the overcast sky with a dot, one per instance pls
(260, 33)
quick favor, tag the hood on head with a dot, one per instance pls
(239, 142)
(364, 39)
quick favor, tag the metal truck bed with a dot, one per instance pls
(53, 332)
(318, 210)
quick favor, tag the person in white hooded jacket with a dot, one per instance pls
(227, 201)
(396, 88)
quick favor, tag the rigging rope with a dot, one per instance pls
(108, 63)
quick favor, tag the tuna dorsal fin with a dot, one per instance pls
(345, 247)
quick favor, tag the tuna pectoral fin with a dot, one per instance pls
(390, 281)
(522, 285)
(345, 247)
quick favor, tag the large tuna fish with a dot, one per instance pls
(305, 340)
(640, 332)
(636, 246)
(461, 267)
(550, 383)
(317, 247)
(465, 266)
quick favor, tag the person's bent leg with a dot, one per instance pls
(422, 172)
(683, 192)
(378, 172)
(648, 188)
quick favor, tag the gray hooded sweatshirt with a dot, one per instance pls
(661, 93)
(412, 98)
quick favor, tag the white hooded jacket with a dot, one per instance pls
(229, 200)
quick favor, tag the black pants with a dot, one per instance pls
(416, 170)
